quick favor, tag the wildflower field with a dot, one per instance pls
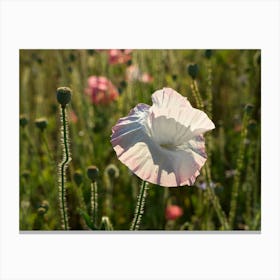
(108, 140)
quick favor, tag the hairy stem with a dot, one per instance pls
(63, 165)
(211, 194)
(139, 210)
(196, 95)
(215, 200)
(94, 202)
(240, 163)
(209, 89)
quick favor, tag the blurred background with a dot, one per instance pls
(106, 85)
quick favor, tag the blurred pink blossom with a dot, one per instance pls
(163, 144)
(119, 56)
(101, 90)
(173, 212)
(73, 117)
(133, 73)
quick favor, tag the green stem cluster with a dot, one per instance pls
(215, 200)
(210, 192)
(239, 167)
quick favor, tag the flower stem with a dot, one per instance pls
(211, 194)
(66, 159)
(215, 200)
(139, 210)
(94, 202)
(51, 157)
(240, 163)
(196, 94)
(209, 89)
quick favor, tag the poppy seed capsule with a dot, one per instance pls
(193, 70)
(63, 95)
(23, 121)
(41, 123)
(208, 54)
(78, 177)
(249, 108)
(93, 173)
(252, 126)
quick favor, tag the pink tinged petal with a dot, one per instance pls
(169, 98)
(161, 145)
(155, 164)
(92, 81)
(169, 103)
(151, 162)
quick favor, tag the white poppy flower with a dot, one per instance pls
(163, 143)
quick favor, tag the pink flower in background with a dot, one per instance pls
(101, 90)
(73, 117)
(119, 56)
(133, 73)
(163, 143)
(173, 212)
(146, 78)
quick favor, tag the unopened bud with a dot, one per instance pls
(41, 123)
(78, 177)
(252, 126)
(23, 121)
(248, 108)
(93, 173)
(193, 70)
(63, 95)
(208, 54)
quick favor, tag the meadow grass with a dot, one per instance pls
(226, 81)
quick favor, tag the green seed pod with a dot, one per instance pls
(63, 95)
(129, 62)
(112, 171)
(23, 121)
(91, 52)
(252, 126)
(72, 57)
(93, 173)
(208, 54)
(248, 108)
(123, 84)
(78, 177)
(41, 123)
(193, 70)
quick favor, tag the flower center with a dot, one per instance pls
(168, 146)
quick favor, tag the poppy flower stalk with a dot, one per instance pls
(139, 210)
(63, 95)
